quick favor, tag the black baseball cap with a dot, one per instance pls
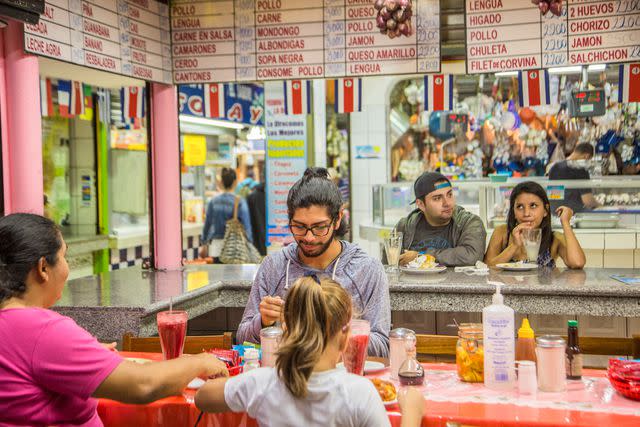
(426, 183)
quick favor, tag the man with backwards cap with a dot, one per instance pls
(440, 228)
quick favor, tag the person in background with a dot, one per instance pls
(305, 387)
(578, 199)
(438, 227)
(256, 201)
(51, 369)
(219, 211)
(402, 150)
(316, 222)
(529, 208)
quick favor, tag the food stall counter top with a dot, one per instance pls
(115, 302)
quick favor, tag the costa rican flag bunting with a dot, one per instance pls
(132, 98)
(213, 95)
(297, 97)
(348, 95)
(46, 98)
(629, 83)
(533, 88)
(438, 92)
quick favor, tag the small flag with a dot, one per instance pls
(533, 88)
(438, 92)
(70, 98)
(64, 97)
(297, 97)
(132, 98)
(104, 105)
(213, 96)
(76, 106)
(46, 98)
(629, 83)
(348, 95)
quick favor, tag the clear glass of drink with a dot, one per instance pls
(532, 238)
(393, 248)
(172, 329)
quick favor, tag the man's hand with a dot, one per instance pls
(407, 257)
(270, 310)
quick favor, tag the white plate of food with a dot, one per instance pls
(386, 390)
(423, 264)
(370, 366)
(517, 266)
(436, 269)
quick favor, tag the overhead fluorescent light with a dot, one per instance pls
(574, 69)
(209, 122)
(506, 73)
(596, 67)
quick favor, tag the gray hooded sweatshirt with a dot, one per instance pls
(361, 275)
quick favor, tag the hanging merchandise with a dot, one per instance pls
(533, 87)
(394, 17)
(297, 97)
(132, 98)
(70, 98)
(213, 95)
(348, 95)
(46, 98)
(438, 92)
(629, 84)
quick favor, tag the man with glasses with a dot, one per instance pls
(314, 207)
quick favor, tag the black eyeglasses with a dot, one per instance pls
(316, 230)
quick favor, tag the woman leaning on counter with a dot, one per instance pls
(529, 208)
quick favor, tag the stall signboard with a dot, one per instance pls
(128, 37)
(286, 161)
(512, 35)
(248, 40)
(244, 102)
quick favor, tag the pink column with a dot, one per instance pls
(165, 171)
(21, 125)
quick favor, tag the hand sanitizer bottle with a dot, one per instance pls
(498, 325)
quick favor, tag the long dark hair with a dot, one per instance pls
(536, 189)
(24, 240)
(316, 189)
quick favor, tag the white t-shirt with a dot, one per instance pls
(335, 398)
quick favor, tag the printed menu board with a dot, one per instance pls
(511, 35)
(129, 37)
(289, 39)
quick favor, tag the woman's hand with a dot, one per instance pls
(565, 213)
(212, 366)
(516, 234)
(204, 251)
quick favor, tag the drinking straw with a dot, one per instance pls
(170, 303)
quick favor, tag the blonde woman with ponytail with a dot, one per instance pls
(304, 388)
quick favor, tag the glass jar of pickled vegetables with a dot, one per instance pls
(470, 353)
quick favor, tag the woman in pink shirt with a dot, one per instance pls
(51, 370)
